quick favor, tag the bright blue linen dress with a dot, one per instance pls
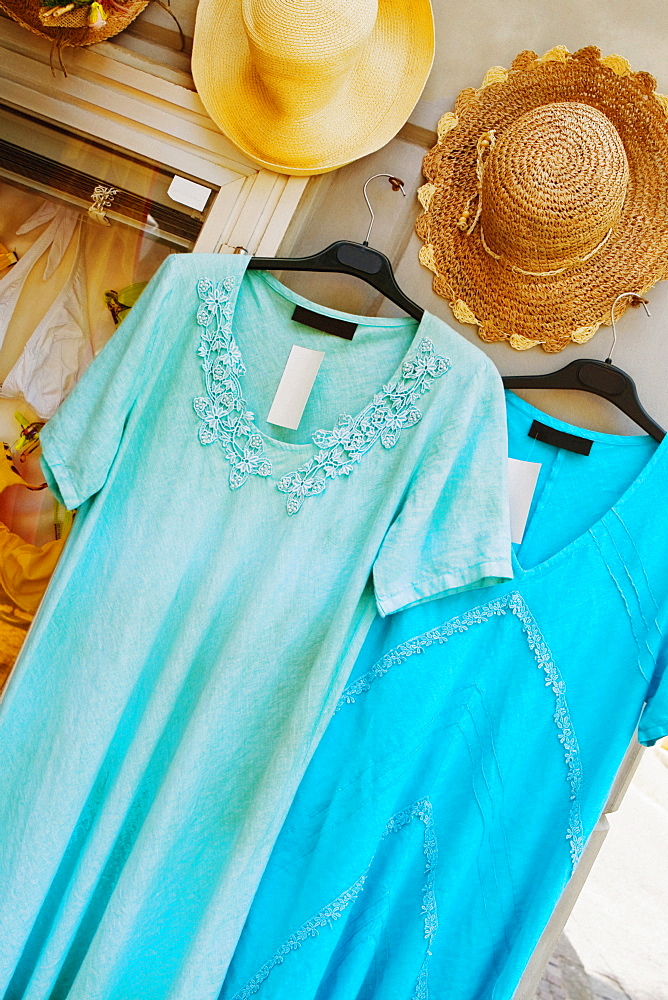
(473, 750)
(217, 585)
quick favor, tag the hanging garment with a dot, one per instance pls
(27, 292)
(14, 625)
(213, 594)
(472, 752)
(55, 238)
(60, 347)
(108, 256)
(25, 571)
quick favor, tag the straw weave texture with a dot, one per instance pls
(547, 196)
(26, 13)
(305, 86)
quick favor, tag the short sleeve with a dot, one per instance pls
(654, 719)
(81, 440)
(452, 532)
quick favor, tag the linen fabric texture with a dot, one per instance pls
(217, 585)
(473, 750)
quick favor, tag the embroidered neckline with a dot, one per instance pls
(515, 603)
(225, 416)
(223, 411)
(383, 419)
(421, 810)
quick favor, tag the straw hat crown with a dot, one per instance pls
(553, 187)
(547, 197)
(305, 86)
(305, 50)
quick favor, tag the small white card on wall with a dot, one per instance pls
(189, 193)
(522, 479)
(295, 387)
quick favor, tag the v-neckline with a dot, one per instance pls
(329, 453)
(612, 439)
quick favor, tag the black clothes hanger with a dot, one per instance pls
(358, 259)
(599, 377)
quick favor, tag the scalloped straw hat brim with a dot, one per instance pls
(26, 13)
(373, 102)
(525, 303)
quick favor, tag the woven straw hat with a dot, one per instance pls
(547, 197)
(73, 28)
(305, 86)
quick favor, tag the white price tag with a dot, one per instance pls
(522, 479)
(189, 193)
(295, 387)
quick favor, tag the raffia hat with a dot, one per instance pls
(547, 197)
(83, 24)
(305, 86)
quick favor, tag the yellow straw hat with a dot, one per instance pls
(305, 86)
(547, 197)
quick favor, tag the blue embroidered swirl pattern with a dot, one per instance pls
(223, 411)
(383, 419)
(422, 810)
(513, 602)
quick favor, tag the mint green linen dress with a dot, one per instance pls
(217, 585)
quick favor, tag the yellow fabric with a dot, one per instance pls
(13, 627)
(25, 571)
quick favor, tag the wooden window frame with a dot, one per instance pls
(136, 110)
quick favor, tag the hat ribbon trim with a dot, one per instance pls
(484, 147)
(545, 274)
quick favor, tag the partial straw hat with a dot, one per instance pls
(547, 197)
(305, 86)
(72, 26)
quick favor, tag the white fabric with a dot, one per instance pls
(59, 348)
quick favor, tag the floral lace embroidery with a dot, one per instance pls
(562, 718)
(384, 418)
(223, 411)
(421, 810)
(226, 418)
(416, 645)
(514, 603)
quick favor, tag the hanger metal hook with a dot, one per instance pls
(624, 295)
(397, 185)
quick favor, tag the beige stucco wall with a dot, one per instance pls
(479, 33)
(471, 37)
